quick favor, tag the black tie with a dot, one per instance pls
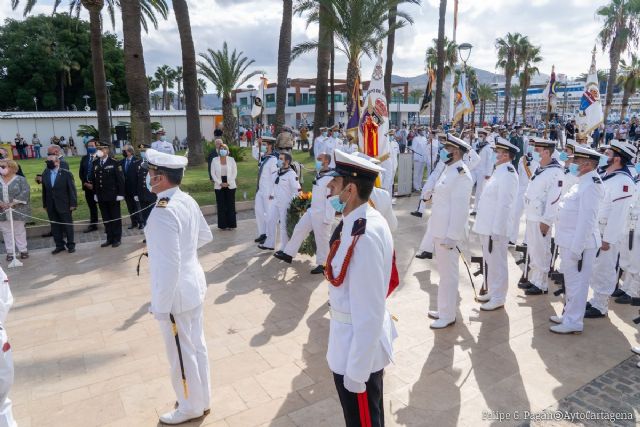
(336, 233)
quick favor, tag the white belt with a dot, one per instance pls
(340, 317)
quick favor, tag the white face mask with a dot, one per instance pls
(100, 154)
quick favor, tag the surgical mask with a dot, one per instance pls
(444, 155)
(637, 167)
(223, 153)
(574, 169)
(536, 156)
(336, 204)
(318, 164)
(529, 149)
(143, 155)
(493, 157)
(91, 150)
(604, 161)
(51, 164)
(280, 163)
(564, 156)
(324, 134)
(148, 183)
(163, 138)
(100, 154)
(263, 149)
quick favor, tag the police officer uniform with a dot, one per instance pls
(541, 206)
(493, 224)
(614, 209)
(361, 331)
(146, 198)
(285, 187)
(267, 167)
(176, 229)
(578, 238)
(108, 185)
(130, 166)
(449, 222)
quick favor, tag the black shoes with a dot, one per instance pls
(71, 249)
(264, 248)
(416, 213)
(525, 284)
(618, 293)
(424, 255)
(623, 299)
(474, 213)
(283, 257)
(105, 244)
(318, 270)
(534, 290)
(261, 238)
(57, 251)
(115, 244)
(140, 226)
(91, 228)
(593, 313)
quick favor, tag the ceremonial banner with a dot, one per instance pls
(375, 108)
(590, 114)
(354, 110)
(428, 93)
(550, 91)
(258, 101)
(462, 104)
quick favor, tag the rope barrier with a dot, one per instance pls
(82, 221)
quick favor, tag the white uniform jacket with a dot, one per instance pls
(163, 146)
(543, 193)
(285, 187)
(495, 209)
(451, 197)
(319, 146)
(175, 230)
(419, 147)
(526, 168)
(320, 208)
(361, 334)
(619, 189)
(577, 227)
(382, 203)
(432, 179)
(471, 159)
(267, 168)
(485, 165)
(630, 248)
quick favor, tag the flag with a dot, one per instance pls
(354, 109)
(590, 114)
(462, 104)
(375, 107)
(258, 101)
(428, 93)
(550, 90)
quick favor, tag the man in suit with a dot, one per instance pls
(59, 198)
(86, 165)
(130, 170)
(108, 184)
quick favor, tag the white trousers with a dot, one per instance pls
(631, 284)
(539, 250)
(426, 245)
(276, 219)
(497, 268)
(321, 232)
(262, 204)
(20, 234)
(518, 210)
(630, 263)
(576, 287)
(6, 381)
(418, 174)
(448, 264)
(604, 278)
(194, 358)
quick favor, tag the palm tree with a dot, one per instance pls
(510, 50)
(164, 74)
(202, 90)
(415, 95)
(450, 55)
(227, 73)
(440, 61)
(619, 32)
(602, 76)
(530, 57)
(485, 94)
(155, 98)
(629, 80)
(284, 60)
(66, 64)
(516, 92)
(177, 78)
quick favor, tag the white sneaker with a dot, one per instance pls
(556, 319)
(483, 298)
(176, 417)
(563, 329)
(441, 324)
(491, 305)
(636, 350)
(432, 314)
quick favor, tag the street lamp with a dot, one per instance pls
(86, 102)
(109, 86)
(464, 51)
(35, 102)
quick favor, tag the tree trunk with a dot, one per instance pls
(165, 97)
(228, 120)
(507, 96)
(99, 77)
(482, 104)
(625, 102)
(391, 42)
(440, 66)
(135, 72)
(284, 60)
(352, 77)
(515, 109)
(614, 58)
(524, 105)
(190, 83)
(333, 84)
(323, 60)
(179, 94)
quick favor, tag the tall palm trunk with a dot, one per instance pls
(179, 94)
(483, 103)
(284, 60)
(135, 72)
(190, 83)
(391, 42)
(352, 77)
(322, 82)
(507, 96)
(524, 105)
(165, 96)
(515, 109)
(629, 90)
(614, 59)
(97, 61)
(228, 120)
(332, 75)
(440, 64)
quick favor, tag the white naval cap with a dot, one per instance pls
(366, 157)
(457, 142)
(158, 160)
(586, 153)
(506, 145)
(541, 142)
(482, 130)
(354, 166)
(624, 149)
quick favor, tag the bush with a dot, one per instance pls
(238, 153)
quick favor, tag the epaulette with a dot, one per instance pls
(510, 169)
(460, 170)
(359, 227)
(597, 180)
(162, 203)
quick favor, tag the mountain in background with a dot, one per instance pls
(484, 77)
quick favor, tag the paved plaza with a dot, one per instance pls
(87, 353)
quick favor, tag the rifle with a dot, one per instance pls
(524, 260)
(483, 269)
(466, 264)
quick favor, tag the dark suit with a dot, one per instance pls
(212, 155)
(147, 198)
(108, 185)
(130, 171)
(58, 201)
(86, 164)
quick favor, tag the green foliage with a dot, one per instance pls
(297, 208)
(40, 52)
(88, 130)
(238, 153)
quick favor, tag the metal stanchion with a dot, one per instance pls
(15, 262)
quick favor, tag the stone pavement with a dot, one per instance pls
(87, 353)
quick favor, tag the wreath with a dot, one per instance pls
(297, 208)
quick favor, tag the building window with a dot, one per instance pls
(244, 101)
(292, 100)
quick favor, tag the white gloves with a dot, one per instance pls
(119, 198)
(354, 386)
(161, 316)
(95, 197)
(136, 198)
(449, 244)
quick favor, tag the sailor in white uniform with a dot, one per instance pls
(419, 148)
(161, 144)
(6, 355)
(484, 168)
(267, 168)
(629, 292)
(526, 167)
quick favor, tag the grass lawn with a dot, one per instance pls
(196, 182)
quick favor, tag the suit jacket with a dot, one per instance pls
(62, 196)
(144, 194)
(130, 176)
(83, 173)
(107, 180)
(212, 155)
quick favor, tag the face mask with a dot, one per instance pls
(280, 163)
(604, 161)
(100, 154)
(51, 164)
(638, 167)
(91, 150)
(536, 156)
(223, 153)
(143, 155)
(564, 156)
(444, 155)
(163, 138)
(574, 169)
(148, 183)
(324, 134)
(493, 157)
(529, 149)
(318, 164)
(263, 149)
(4, 171)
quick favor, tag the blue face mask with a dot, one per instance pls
(280, 163)
(143, 155)
(573, 169)
(318, 164)
(148, 182)
(263, 149)
(444, 155)
(638, 167)
(223, 153)
(536, 156)
(91, 150)
(603, 162)
(493, 157)
(324, 134)
(564, 156)
(336, 204)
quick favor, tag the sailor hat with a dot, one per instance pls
(482, 130)
(268, 139)
(457, 142)
(541, 142)
(506, 145)
(624, 149)
(158, 160)
(586, 153)
(355, 166)
(367, 157)
(100, 144)
(142, 147)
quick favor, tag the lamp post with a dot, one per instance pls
(464, 52)
(109, 86)
(86, 102)
(35, 102)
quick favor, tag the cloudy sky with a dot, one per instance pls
(566, 30)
